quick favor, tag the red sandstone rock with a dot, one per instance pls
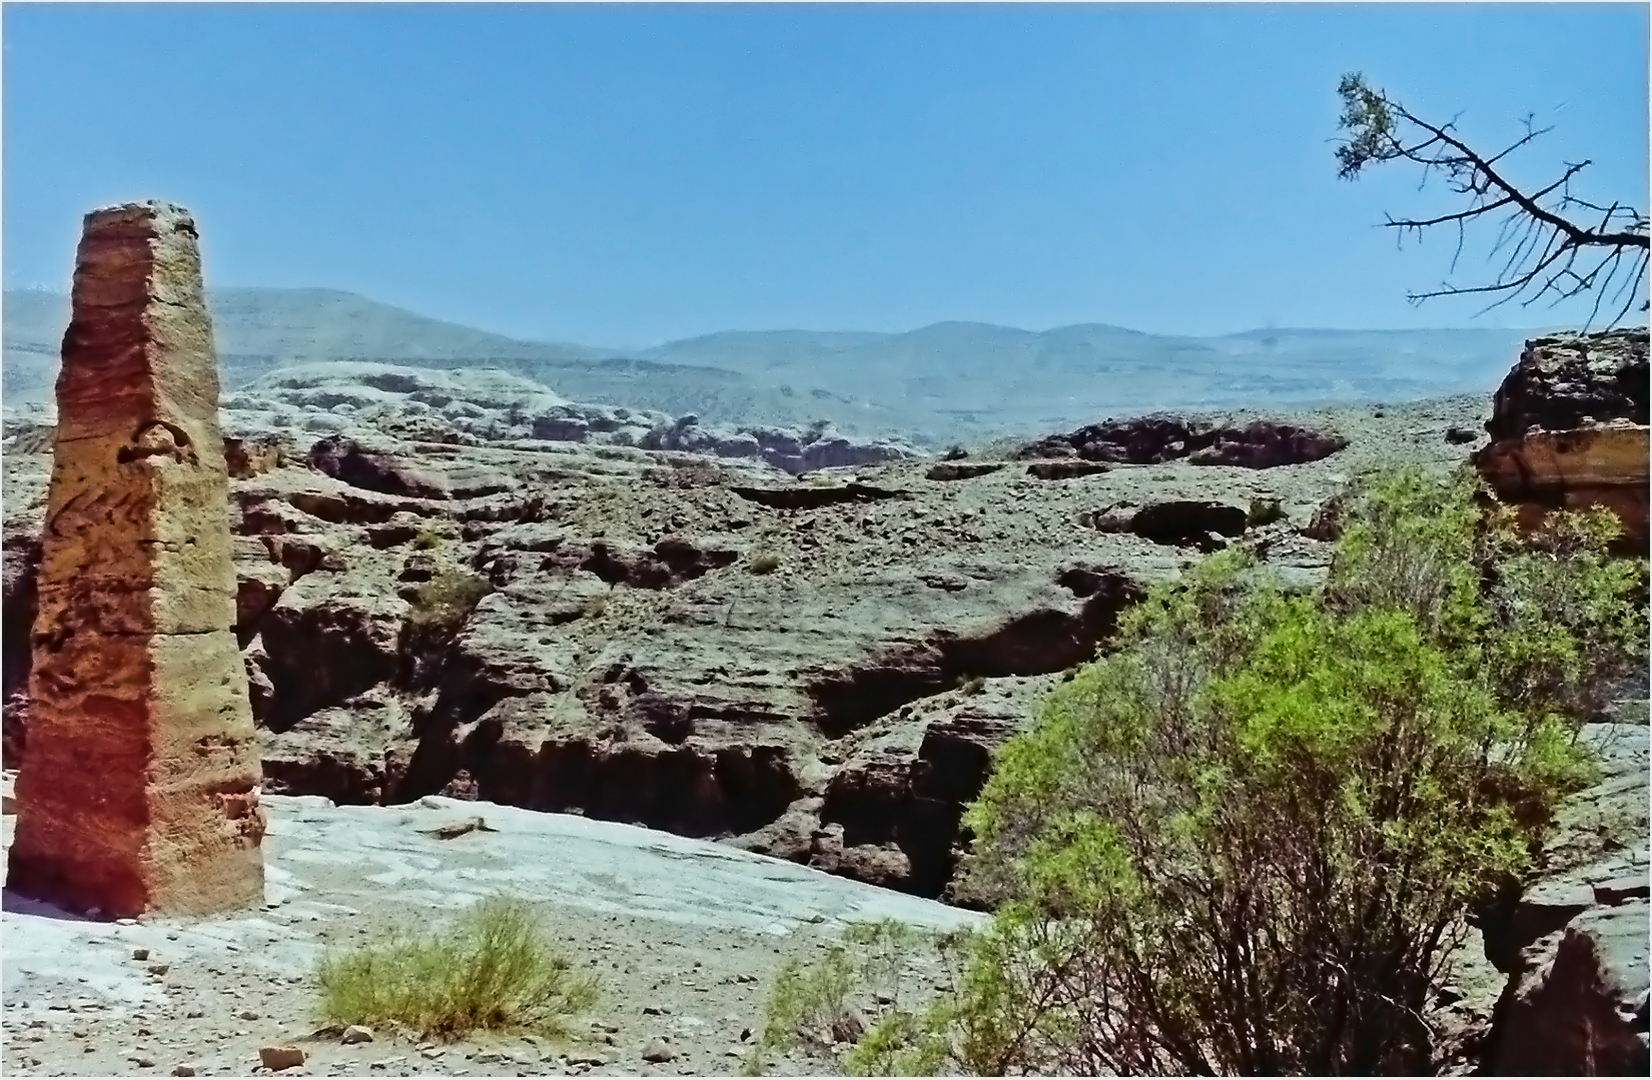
(139, 783)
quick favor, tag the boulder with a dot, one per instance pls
(1265, 444)
(1065, 470)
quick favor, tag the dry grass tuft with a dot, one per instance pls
(491, 971)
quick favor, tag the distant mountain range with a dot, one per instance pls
(949, 381)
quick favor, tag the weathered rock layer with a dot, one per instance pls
(1569, 429)
(138, 788)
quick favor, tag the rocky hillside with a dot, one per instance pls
(470, 586)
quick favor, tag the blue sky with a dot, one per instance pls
(624, 175)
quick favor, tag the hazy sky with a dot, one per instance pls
(622, 175)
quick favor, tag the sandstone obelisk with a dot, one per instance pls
(139, 784)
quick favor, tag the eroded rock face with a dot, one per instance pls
(1582, 1011)
(1569, 429)
(139, 783)
(21, 561)
(1573, 939)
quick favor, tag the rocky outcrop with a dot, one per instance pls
(139, 783)
(1153, 440)
(1569, 429)
(815, 496)
(350, 397)
(1058, 634)
(360, 466)
(324, 643)
(961, 470)
(785, 449)
(257, 453)
(1203, 523)
(1065, 470)
(1573, 941)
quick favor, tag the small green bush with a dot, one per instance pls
(1264, 511)
(812, 1005)
(765, 562)
(428, 538)
(491, 971)
(444, 602)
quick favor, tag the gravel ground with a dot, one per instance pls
(684, 936)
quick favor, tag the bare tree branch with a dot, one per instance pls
(1551, 255)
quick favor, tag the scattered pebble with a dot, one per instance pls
(356, 1033)
(658, 1051)
(140, 954)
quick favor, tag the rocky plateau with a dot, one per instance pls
(459, 585)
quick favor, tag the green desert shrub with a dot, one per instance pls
(428, 538)
(443, 603)
(812, 1004)
(1246, 840)
(492, 970)
(1264, 510)
(764, 562)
